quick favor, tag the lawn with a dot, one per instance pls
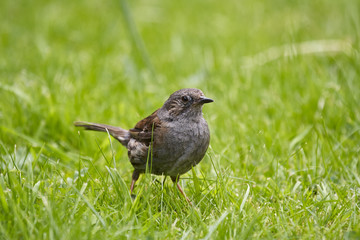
(283, 160)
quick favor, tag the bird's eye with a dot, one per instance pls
(185, 98)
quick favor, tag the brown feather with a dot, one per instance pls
(118, 133)
(143, 130)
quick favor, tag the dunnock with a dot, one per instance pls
(170, 141)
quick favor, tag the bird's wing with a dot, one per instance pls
(144, 129)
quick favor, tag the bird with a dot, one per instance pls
(169, 142)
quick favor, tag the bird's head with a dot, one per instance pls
(185, 102)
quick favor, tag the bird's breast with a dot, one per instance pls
(181, 145)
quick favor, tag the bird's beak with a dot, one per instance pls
(204, 99)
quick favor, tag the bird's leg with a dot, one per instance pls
(176, 180)
(134, 178)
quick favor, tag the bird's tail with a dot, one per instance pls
(122, 135)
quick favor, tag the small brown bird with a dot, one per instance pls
(171, 141)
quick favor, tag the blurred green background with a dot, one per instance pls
(285, 77)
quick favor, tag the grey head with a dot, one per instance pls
(184, 103)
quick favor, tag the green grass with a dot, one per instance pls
(284, 155)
